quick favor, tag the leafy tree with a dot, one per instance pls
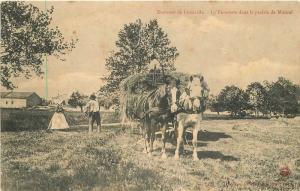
(137, 45)
(268, 105)
(105, 100)
(108, 99)
(26, 39)
(257, 97)
(233, 99)
(215, 105)
(283, 96)
(77, 100)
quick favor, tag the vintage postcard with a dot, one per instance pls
(152, 95)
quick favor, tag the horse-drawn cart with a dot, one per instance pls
(147, 98)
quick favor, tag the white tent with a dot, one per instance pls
(58, 120)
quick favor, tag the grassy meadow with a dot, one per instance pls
(234, 155)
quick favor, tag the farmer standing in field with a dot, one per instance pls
(92, 109)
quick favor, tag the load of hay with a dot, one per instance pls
(135, 89)
(145, 82)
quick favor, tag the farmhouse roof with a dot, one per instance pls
(16, 95)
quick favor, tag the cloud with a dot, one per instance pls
(186, 25)
(234, 73)
(212, 23)
(83, 82)
(65, 83)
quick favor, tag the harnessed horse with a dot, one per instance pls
(153, 111)
(188, 114)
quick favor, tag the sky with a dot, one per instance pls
(230, 43)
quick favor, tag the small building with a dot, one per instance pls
(19, 99)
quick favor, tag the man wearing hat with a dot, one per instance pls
(92, 108)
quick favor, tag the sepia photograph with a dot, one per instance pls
(150, 95)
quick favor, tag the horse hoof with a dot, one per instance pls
(176, 157)
(164, 156)
(195, 158)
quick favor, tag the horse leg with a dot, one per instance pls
(176, 130)
(152, 134)
(144, 133)
(163, 150)
(146, 137)
(180, 130)
(148, 140)
(195, 140)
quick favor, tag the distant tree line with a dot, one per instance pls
(279, 98)
(78, 99)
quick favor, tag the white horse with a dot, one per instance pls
(189, 115)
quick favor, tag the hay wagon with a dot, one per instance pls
(137, 85)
